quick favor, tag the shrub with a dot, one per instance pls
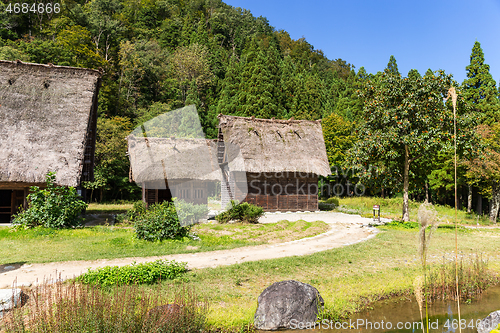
(149, 273)
(137, 210)
(243, 212)
(53, 207)
(189, 213)
(333, 201)
(61, 308)
(159, 222)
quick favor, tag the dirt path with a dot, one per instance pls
(345, 230)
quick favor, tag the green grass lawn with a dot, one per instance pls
(392, 208)
(107, 242)
(348, 278)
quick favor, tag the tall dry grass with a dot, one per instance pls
(61, 308)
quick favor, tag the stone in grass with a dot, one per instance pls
(10, 298)
(489, 323)
(287, 305)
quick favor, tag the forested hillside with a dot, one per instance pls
(157, 56)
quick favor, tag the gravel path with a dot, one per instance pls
(344, 230)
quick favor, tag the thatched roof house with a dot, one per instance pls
(282, 160)
(173, 167)
(277, 145)
(48, 119)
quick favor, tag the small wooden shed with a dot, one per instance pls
(48, 117)
(282, 162)
(173, 167)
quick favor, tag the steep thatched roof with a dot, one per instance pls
(277, 145)
(44, 118)
(153, 159)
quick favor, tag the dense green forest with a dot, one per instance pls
(389, 131)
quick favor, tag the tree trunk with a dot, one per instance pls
(406, 213)
(479, 204)
(495, 202)
(426, 191)
(469, 199)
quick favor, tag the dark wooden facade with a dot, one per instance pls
(10, 201)
(189, 191)
(283, 191)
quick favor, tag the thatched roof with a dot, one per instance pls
(44, 119)
(153, 159)
(277, 145)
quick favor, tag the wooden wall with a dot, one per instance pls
(189, 191)
(283, 191)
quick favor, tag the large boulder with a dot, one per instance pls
(10, 298)
(489, 323)
(287, 305)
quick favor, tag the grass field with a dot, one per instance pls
(392, 208)
(348, 278)
(107, 242)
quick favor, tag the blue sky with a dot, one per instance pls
(421, 34)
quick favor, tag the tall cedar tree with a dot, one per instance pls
(480, 88)
(260, 92)
(405, 120)
(392, 66)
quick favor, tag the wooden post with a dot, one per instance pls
(13, 203)
(25, 202)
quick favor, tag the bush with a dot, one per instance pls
(333, 201)
(159, 222)
(189, 213)
(53, 207)
(137, 210)
(149, 273)
(243, 212)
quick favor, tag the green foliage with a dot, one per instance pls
(406, 124)
(333, 201)
(138, 210)
(260, 82)
(242, 212)
(12, 54)
(112, 164)
(339, 137)
(149, 273)
(189, 213)
(53, 207)
(159, 222)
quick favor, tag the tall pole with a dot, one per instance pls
(453, 94)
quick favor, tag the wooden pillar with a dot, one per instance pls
(13, 203)
(25, 202)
